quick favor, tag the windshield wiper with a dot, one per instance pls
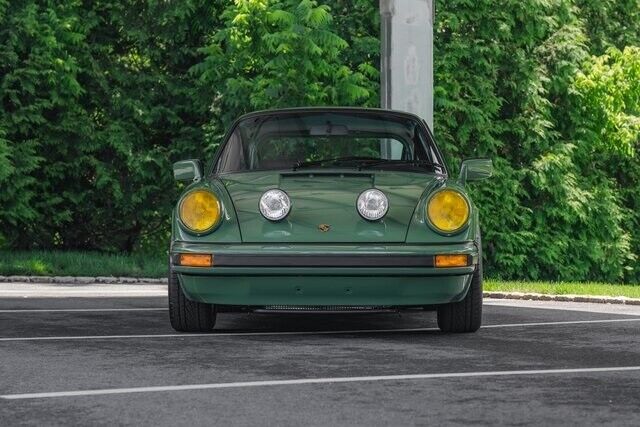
(401, 164)
(335, 161)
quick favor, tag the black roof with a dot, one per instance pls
(395, 113)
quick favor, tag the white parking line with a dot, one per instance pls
(219, 334)
(338, 332)
(99, 392)
(75, 310)
(564, 322)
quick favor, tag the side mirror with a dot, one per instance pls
(475, 170)
(187, 170)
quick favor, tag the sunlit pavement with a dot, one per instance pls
(88, 360)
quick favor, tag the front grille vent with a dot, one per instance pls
(324, 308)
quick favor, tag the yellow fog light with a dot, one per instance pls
(195, 260)
(452, 260)
(200, 211)
(448, 211)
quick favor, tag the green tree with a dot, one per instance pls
(610, 23)
(507, 77)
(98, 96)
(39, 94)
(606, 119)
(280, 53)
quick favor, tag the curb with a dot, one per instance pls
(562, 298)
(82, 280)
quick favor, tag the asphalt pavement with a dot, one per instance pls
(98, 360)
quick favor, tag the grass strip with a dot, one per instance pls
(76, 263)
(565, 288)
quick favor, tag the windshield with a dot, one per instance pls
(327, 140)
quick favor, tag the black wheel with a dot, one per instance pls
(466, 315)
(187, 315)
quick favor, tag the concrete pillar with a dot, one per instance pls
(406, 57)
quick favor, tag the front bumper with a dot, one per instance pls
(355, 275)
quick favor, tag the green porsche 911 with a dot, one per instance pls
(326, 209)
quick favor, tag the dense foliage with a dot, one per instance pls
(97, 99)
(543, 89)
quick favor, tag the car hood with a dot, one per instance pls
(323, 205)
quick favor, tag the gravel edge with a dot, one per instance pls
(111, 280)
(563, 298)
(83, 280)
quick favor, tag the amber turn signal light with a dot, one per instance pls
(452, 260)
(196, 260)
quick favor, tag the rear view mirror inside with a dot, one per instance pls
(328, 130)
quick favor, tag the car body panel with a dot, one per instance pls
(326, 198)
(307, 288)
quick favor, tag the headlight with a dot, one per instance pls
(275, 205)
(200, 211)
(372, 204)
(448, 211)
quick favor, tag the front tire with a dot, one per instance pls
(466, 315)
(187, 315)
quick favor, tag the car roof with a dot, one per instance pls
(286, 111)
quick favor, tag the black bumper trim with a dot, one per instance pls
(224, 260)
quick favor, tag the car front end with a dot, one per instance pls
(324, 209)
